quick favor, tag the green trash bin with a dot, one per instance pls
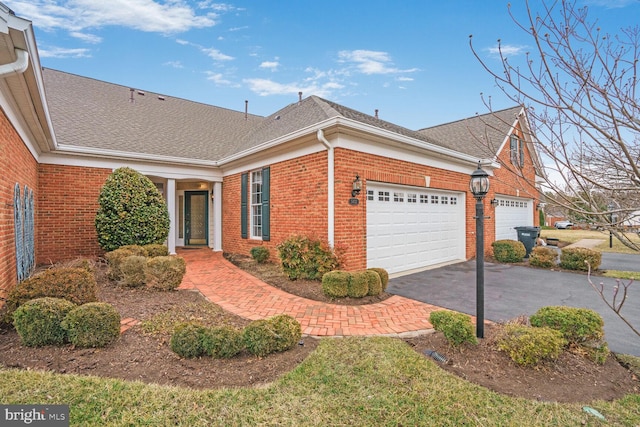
(528, 236)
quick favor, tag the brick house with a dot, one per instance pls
(233, 180)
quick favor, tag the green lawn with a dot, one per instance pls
(573, 236)
(345, 382)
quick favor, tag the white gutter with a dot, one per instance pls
(19, 66)
(330, 188)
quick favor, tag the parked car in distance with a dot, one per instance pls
(562, 225)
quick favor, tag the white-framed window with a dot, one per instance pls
(444, 200)
(453, 200)
(370, 195)
(398, 197)
(424, 198)
(256, 204)
(434, 199)
(383, 196)
(412, 198)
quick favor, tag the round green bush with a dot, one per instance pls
(260, 254)
(456, 327)
(96, 324)
(223, 342)
(544, 257)
(384, 276)
(508, 250)
(115, 259)
(577, 325)
(260, 338)
(577, 259)
(358, 285)
(335, 283)
(374, 282)
(77, 285)
(188, 340)
(165, 272)
(529, 346)
(155, 249)
(38, 321)
(133, 271)
(131, 211)
(288, 331)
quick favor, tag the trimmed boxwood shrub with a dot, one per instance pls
(260, 254)
(165, 272)
(288, 331)
(334, 284)
(529, 346)
(577, 325)
(304, 257)
(544, 257)
(133, 271)
(456, 327)
(95, 324)
(188, 340)
(77, 285)
(131, 211)
(155, 249)
(358, 285)
(115, 259)
(384, 276)
(374, 282)
(223, 342)
(38, 321)
(259, 337)
(508, 250)
(577, 258)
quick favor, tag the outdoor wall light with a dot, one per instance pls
(357, 186)
(494, 202)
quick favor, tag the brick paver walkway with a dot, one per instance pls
(240, 293)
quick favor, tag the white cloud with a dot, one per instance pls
(371, 62)
(145, 15)
(270, 65)
(219, 79)
(86, 37)
(265, 87)
(507, 50)
(215, 54)
(59, 52)
(174, 64)
(405, 79)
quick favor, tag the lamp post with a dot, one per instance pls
(479, 186)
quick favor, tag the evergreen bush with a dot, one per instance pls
(95, 324)
(304, 257)
(577, 325)
(577, 259)
(131, 211)
(384, 276)
(260, 338)
(335, 283)
(38, 321)
(543, 256)
(223, 342)
(115, 259)
(358, 285)
(133, 271)
(456, 327)
(374, 282)
(528, 346)
(260, 254)
(508, 250)
(155, 249)
(189, 340)
(165, 272)
(288, 331)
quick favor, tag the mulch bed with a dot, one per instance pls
(146, 357)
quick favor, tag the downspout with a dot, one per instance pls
(19, 66)
(330, 189)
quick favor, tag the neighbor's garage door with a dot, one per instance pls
(409, 228)
(512, 212)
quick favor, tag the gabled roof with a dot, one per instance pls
(481, 136)
(93, 114)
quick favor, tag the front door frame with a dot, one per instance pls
(187, 216)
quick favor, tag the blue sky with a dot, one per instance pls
(409, 59)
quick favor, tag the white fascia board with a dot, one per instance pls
(271, 157)
(11, 110)
(161, 170)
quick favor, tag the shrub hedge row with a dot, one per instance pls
(357, 284)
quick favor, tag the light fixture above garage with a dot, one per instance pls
(494, 202)
(357, 186)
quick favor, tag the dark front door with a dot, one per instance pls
(195, 217)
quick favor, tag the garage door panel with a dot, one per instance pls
(413, 228)
(511, 212)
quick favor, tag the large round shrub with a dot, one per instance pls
(259, 337)
(577, 325)
(165, 272)
(77, 285)
(304, 257)
(508, 250)
(223, 342)
(577, 259)
(334, 284)
(95, 324)
(131, 211)
(288, 331)
(38, 322)
(188, 340)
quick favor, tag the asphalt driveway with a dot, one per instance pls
(511, 291)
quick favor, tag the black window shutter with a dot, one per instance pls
(521, 146)
(244, 182)
(266, 204)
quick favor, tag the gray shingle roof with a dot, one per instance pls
(480, 136)
(90, 113)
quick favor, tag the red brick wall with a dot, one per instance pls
(68, 202)
(17, 166)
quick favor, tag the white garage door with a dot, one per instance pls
(410, 228)
(512, 212)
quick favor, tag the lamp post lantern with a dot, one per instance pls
(479, 186)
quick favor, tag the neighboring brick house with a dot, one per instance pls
(233, 180)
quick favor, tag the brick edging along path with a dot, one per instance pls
(240, 293)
